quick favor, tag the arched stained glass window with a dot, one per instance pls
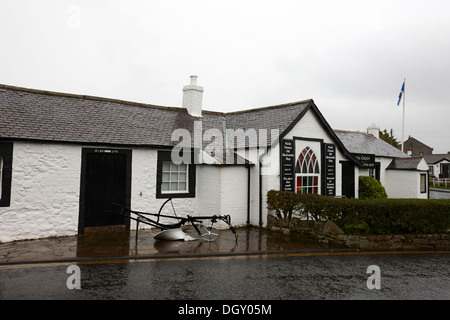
(307, 162)
(307, 172)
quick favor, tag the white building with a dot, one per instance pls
(401, 175)
(65, 158)
(439, 165)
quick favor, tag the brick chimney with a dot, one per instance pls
(192, 98)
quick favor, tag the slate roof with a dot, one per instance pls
(411, 163)
(359, 142)
(435, 158)
(253, 122)
(49, 116)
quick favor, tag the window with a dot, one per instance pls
(174, 177)
(174, 180)
(6, 157)
(307, 172)
(372, 172)
(423, 183)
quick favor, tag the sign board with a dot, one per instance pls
(287, 165)
(106, 151)
(330, 169)
(367, 160)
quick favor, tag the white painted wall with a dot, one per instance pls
(384, 163)
(143, 189)
(45, 192)
(404, 184)
(234, 194)
(222, 190)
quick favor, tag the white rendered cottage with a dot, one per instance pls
(438, 165)
(65, 158)
(401, 175)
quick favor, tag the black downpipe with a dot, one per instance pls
(248, 196)
(260, 194)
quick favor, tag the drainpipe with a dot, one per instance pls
(260, 194)
(224, 132)
(248, 195)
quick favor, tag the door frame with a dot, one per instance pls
(84, 155)
(348, 175)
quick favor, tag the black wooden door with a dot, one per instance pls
(348, 179)
(445, 170)
(105, 183)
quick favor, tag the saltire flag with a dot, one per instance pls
(402, 91)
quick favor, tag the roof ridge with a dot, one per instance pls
(87, 97)
(352, 131)
(141, 104)
(270, 107)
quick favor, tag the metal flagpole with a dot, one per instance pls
(403, 119)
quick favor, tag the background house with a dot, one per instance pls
(415, 148)
(439, 165)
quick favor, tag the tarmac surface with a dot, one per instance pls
(124, 244)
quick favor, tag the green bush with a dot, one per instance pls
(371, 188)
(284, 203)
(367, 216)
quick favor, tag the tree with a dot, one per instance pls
(389, 138)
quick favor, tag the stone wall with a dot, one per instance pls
(398, 242)
(329, 232)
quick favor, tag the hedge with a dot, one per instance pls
(369, 216)
(283, 203)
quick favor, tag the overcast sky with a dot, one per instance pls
(349, 56)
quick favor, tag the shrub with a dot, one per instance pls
(371, 188)
(367, 216)
(284, 203)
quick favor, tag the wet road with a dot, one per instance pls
(271, 277)
(439, 194)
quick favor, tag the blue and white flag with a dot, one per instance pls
(402, 91)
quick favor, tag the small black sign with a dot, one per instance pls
(106, 151)
(367, 160)
(330, 169)
(287, 165)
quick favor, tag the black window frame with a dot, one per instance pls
(6, 153)
(166, 156)
(423, 176)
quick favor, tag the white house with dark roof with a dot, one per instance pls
(401, 175)
(407, 178)
(439, 165)
(65, 158)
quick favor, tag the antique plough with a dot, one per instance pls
(173, 231)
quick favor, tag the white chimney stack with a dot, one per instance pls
(192, 98)
(374, 130)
